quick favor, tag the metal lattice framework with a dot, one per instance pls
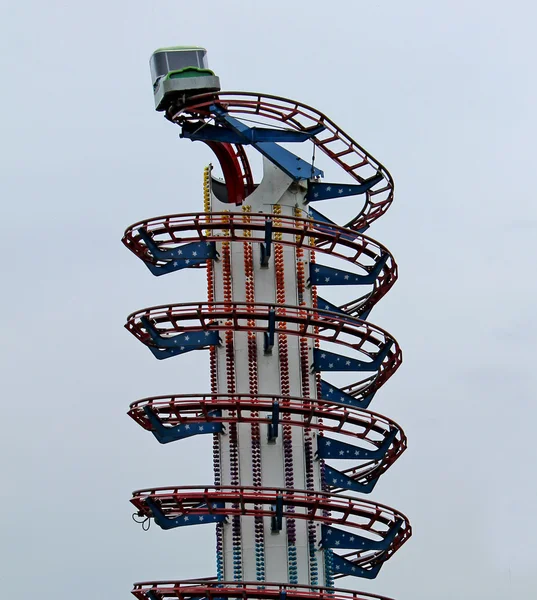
(280, 431)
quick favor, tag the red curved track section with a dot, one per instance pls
(320, 416)
(352, 334)
(333, 141)
(236, 169)
(359, 252)
(356, 516)
(194, 589)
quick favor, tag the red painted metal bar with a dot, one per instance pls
(245, 590)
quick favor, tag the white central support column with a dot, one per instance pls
(251, 551)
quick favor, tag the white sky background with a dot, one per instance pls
(443, 94)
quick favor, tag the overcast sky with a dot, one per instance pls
(443, 94)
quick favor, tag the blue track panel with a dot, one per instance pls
(323, 275)
(330, 361)
(165, 522)
(326, 191)
(332, 393)
(336, 478)
(165, 435)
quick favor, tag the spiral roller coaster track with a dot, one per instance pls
(292, 451)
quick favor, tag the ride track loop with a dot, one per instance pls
(192, 589)
(248, 322)
(386, 529)
(332, 140)
(175, 242)
(170, 330)
(178, 417)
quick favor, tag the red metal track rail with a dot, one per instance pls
(325, 326)
(373, 519)
(358, 251)
(231, 590)
(320, 415)
(333, 141)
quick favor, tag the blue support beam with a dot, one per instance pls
(276, 521)
(361, 314)
(165, 522)
(331, 393)
(323, 275)
(165, 435)
(166, 347)
(232, 131)
(331, 448)
(323, 304)
(342, 566)
(274, 423)
(332, 537)
(183, 257)
(269, 335)
(288, 162)
(325, 191)
(186, 255)
(266, 247)
(337, 479)
(330, 226)
(330, 361)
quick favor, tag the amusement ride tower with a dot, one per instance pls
(294, 453)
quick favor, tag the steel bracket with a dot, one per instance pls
(165, 522)
(165, 435)
(332, 393)
(325, 191)
(269, 335)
